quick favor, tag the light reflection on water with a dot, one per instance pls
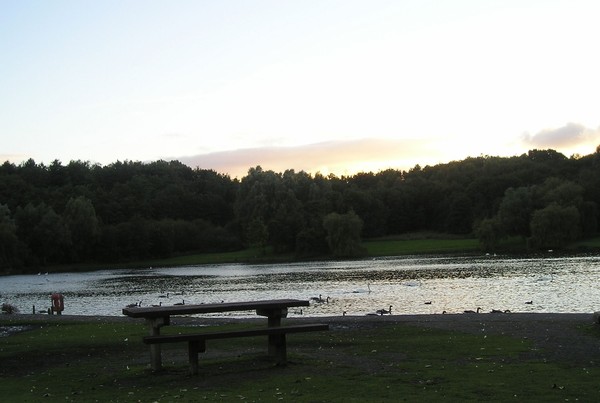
(566, 284)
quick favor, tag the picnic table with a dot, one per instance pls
(273, 310)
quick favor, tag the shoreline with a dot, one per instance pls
(460, 318)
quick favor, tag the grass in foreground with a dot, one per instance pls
(386, 362)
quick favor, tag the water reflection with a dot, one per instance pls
(410, 285)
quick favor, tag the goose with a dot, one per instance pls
(320, 299)
(383, 311)
(427, 302)
(164, 296)
(529, 302)
(471, 311)
(180, 303)
(134, 305)
(156, 306)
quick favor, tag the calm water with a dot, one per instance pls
(565, 284)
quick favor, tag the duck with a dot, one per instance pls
(529, 302)
(472, 311)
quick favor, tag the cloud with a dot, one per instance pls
(338, 157)
(566, 137)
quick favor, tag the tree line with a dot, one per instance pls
(126, 211)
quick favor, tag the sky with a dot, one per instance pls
(329, 86)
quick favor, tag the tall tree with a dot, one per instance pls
(43, 232)
(80, 218)
(343, 234)
(555, 226)
(515, 211)
(9, 243)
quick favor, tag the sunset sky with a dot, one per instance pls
(321, 86)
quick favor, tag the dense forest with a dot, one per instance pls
(128, 211)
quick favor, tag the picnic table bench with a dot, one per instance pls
(274, 310)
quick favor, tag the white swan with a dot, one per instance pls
(362, 290)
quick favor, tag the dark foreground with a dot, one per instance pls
(459, 357)
(556, 334)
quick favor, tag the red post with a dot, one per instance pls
(58, 303)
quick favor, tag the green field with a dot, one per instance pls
(421, 246)
(384, 247)
(62, 361)
(411, 244)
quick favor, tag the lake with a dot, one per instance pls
(411, 285)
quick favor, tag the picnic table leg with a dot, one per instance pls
(274, 320)
(277, 348)
(195, 347)
(154, 326)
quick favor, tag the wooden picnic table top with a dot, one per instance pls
(168, 310)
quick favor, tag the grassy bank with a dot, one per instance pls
(410, 244)
(375, 248)
(106, 362)
(395, 247)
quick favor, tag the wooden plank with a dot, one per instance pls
(175, 338)
(168, 310)
(197, 342)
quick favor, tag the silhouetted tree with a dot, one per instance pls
(9, 242)
(554, 226)
(343, 234)
(82, 223)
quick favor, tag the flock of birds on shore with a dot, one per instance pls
(167, 295)
(321, 300)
